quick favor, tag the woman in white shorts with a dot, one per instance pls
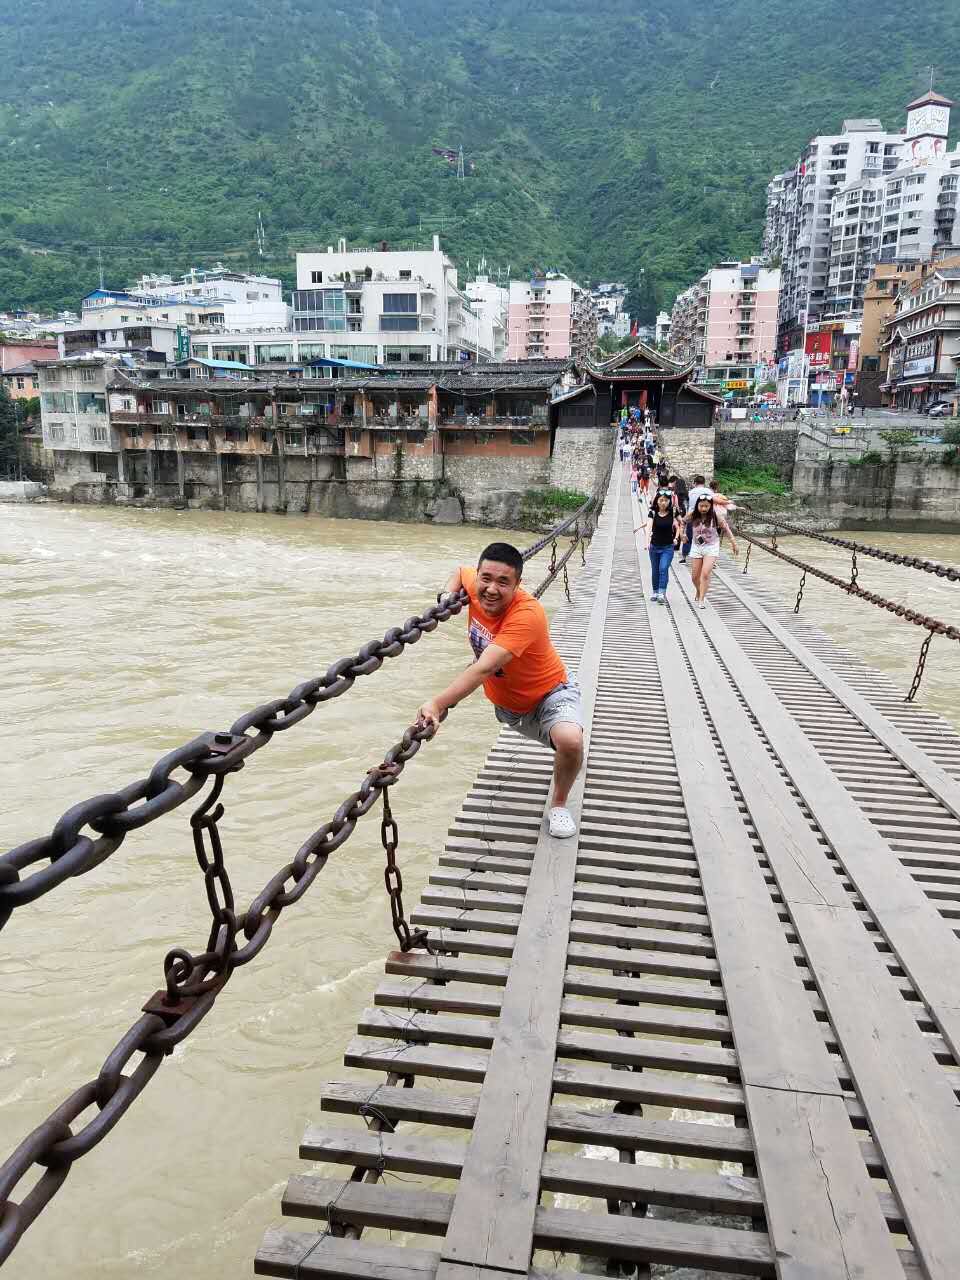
(706, 524)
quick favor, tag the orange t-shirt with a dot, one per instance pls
(523, 629)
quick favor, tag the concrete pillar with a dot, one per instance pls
(180, 488)
(151, 487)
(218, 459)
(259, 482)
(282, 478)
(121, 472)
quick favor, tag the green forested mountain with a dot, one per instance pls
(604, 137)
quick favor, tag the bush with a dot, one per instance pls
(760, 479)
(560, 499)
(870, 459)
(951, 434)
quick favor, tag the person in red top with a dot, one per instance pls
(521, 672)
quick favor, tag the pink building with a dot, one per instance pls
(727, 324)
(741, 321)
(550, 318)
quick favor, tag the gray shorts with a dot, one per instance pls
(560, 706)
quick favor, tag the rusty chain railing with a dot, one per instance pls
(947, 571)
(852, 588)
(192, 982)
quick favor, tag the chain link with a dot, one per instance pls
(192, 983)
(746, 562)
(392, 878)
(921, 666)
(803, 581)
(854, 569)
(871, 597)
(947, 571)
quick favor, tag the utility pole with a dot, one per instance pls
(100, 262)
(460, 169)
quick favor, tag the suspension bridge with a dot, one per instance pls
(718, 1031)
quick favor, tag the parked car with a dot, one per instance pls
(942, 409)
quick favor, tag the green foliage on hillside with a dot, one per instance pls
(608, 138)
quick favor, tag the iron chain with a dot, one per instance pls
(871, 597)
(947, 571)
(921, 666)
(803, 580)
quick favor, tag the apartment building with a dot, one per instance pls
(550, 317)
(854, 199)
(879, 308)
(922, 338)
(491, 301)
(726, 325)
(800, 220)
(387, 306)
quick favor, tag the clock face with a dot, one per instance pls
(929, 119)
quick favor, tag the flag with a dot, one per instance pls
(633, 329)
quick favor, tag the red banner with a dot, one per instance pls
(853, 355)
(818, 349)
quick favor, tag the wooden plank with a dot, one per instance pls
(931, 776)
(492, 1220)
(362, 1204)
(566, 1123)
(923, 941)
(293, 1254)
(822, 1214)
(482, 1033)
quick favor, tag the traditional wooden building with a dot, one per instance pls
(639, 377)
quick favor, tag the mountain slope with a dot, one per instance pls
(607, 138)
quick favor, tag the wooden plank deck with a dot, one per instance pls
(716, 1033)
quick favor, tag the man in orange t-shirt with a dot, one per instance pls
(521, 672)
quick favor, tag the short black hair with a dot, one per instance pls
(699, 479)
(503, 553)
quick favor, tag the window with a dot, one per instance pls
(312, 350)
(398, 324)
(316, 277)
(91, 402)
(200, 349)
(312, 300)
(57, 402)
(280, 352)
(308, 324)
(88, 375)
(198, 435)
(57, 432)
(405, 275)
(191, 317)
(238, 435)
(295, 439)
(392, 355)
(21, 383)
(99, 435)
(399, 302)
(159, 406)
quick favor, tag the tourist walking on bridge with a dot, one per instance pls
(521, 672)
(704, 526)
(663, 530)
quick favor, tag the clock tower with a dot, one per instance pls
(928, 123)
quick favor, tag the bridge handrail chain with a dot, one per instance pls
(947, 571)
(860, 593)
(194, 982)
(68, 852)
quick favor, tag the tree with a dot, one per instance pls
(10, 459)
(610, 344)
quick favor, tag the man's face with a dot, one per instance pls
(496, 586)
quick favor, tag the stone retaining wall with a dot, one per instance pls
(689, 450)
(749, 447)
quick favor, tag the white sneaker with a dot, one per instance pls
(702, 604)
(562, 825)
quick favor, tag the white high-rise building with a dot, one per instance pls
(383, 306)
(854, 199)
(800, 206)
(491, 301)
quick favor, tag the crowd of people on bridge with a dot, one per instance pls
(674, 517)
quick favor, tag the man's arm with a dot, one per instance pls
(492, 659)
(454, 583)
